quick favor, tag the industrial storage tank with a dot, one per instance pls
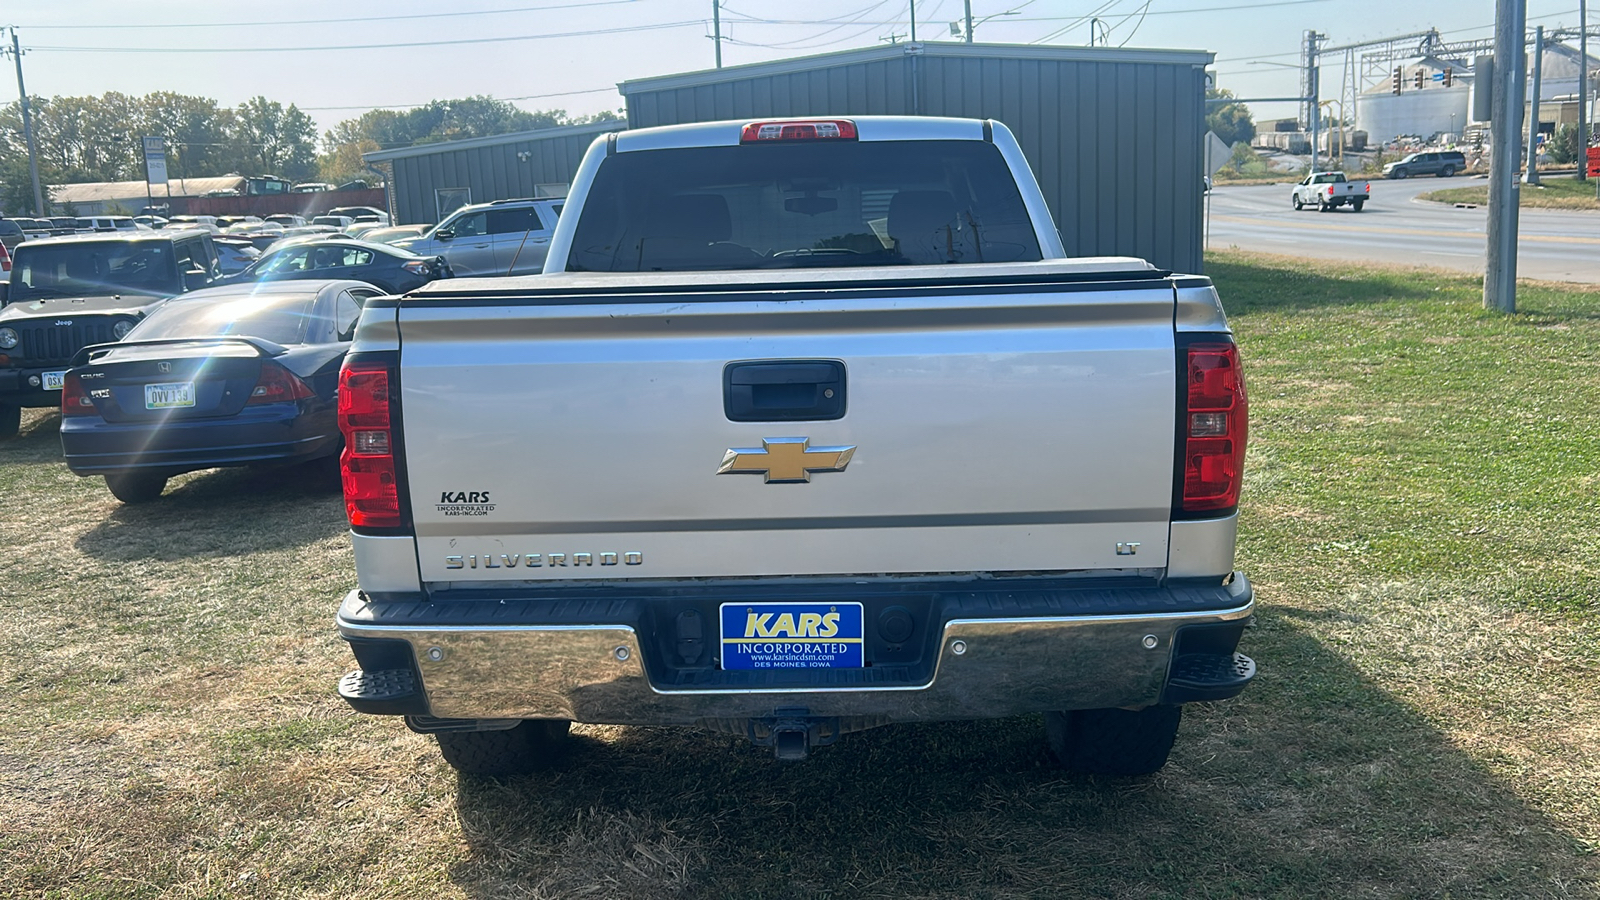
(1432, 110)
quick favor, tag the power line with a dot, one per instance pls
(426, 102)
(387, 46)
(1097, 11)
(1296, 53)
(1142, 13)
(378, 18)
(804, 43)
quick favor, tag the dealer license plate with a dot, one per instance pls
(54, 380)
(792, 635)
(169, 396)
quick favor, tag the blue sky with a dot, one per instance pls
(569, 55)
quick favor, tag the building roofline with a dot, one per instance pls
(494, 140)
(943, 49)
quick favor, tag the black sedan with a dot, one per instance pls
(390, 268)
(228, 376)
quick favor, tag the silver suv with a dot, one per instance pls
(506, 237)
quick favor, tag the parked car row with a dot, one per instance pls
(69, 293)
(191, 342)
(14, 231)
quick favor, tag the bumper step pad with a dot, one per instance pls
(1208, 676)
(386, 692)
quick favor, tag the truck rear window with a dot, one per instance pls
(834, 203)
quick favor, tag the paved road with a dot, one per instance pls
(1396, 227)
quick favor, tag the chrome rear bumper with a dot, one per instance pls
(983, 668)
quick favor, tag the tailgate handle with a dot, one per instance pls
(786, 390)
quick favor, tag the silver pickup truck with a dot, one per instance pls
(808, 427)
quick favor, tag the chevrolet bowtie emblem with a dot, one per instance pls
(785, 459)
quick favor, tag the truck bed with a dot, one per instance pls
(572, 426)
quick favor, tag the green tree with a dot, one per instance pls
(1231, 121)
(200, 135)
(276, 140)
(1564, 148)
(445, 120)
(343, 161)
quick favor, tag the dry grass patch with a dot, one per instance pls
(1422, 528)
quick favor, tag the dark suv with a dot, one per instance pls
(1442, 163)
(69, 292)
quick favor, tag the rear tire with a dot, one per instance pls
(1357, 204)
(1112, 741)
(136, 487)
(1447, 171)
(10, 420)
(529, 747)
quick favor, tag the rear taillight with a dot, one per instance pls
(415, 266)
(371, 483)
(5, 259)
(798, 130)
(74, 399)
(1217, 415)
(277, 385)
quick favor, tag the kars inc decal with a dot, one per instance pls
(465, 503)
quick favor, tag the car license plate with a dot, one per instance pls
(54, 380)
(169, 396)
(792, 635)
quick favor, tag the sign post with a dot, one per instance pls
(1217, 155)
(155, 165)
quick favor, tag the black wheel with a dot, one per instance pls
(1322, 205)
(10, 420)
(1447, 171)
(1112, 741)
(529, 747)
(1357, 204)
(136, 487)
(1297, 204)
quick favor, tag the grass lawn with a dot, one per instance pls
(1554, 192)
(1422, 522)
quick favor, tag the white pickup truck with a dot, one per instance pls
(808, 427)
(1330, 190)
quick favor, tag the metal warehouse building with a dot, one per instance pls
(1113, 135)
(428, 182)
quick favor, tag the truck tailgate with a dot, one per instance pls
(1019, 430)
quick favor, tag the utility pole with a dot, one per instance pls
(1505, 131)
(1583, 92)
(716, 28)
(969, 21)
(1531, 174)
(27, 128)
(914, 21)
(1312, 93)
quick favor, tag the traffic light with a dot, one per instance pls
(1449, 76)
(1419, 79)
(1399, 77)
